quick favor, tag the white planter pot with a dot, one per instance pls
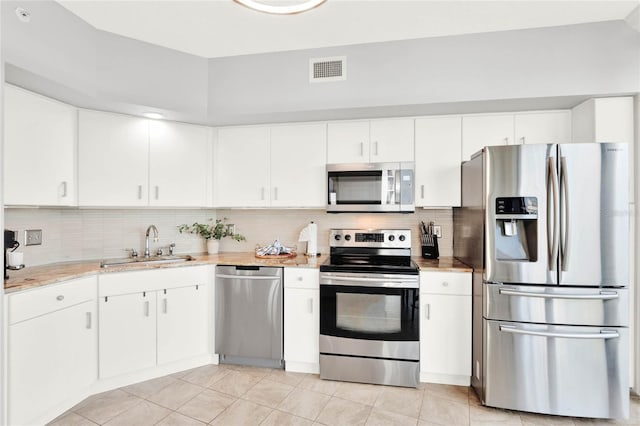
(213, 246)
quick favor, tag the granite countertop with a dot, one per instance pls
(37, 276)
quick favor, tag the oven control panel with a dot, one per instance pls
(385, 238)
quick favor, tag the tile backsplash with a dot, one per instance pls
(78, 234)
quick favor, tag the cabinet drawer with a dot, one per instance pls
(445, 283)
(301, 278)
(36, 302)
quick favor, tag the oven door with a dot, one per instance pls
(378, 307)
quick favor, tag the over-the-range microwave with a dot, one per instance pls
(370, 187)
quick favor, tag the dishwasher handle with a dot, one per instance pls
(249, 277)
(247, 268)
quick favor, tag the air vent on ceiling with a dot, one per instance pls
(328, 69)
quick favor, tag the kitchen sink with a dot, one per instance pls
(145, 260)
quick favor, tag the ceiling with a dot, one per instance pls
(218, 28)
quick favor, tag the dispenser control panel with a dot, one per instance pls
(516, 205)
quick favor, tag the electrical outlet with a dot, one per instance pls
(33, 237)
(437, 230)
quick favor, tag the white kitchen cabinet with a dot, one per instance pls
(301, 319)
(375, 141)
(150, 318)
(242, 167)
(182, 323)
(479, 131)
(543, 127)
(179, 164)
(298, 165)
(113, 160)
(127, 333)
(445, 327)
(39, 150)
(438, 149)
(52, 349)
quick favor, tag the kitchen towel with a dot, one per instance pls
(310, 235)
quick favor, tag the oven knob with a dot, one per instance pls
(402, 237)
(337, 237)
(392, 237)
(347, 237)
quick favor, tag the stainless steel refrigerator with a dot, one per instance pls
(546, 229)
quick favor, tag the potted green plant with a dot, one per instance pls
(212, 232)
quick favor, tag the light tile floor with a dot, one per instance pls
(237, 395)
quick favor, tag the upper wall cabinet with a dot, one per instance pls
(438, 154)
(129, 161)
(543, 127)
(39, 150)
(375, 141)
(479, 131)
(279, 166)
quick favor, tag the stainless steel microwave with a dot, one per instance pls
(370, 187)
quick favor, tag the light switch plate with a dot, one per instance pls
(33, 237)
(437, 229)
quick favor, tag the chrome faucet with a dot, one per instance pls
(146, 240)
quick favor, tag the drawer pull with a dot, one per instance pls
(603, 295)
(60, 298)
(445, 284)
(299, 278)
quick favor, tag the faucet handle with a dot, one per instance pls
(171, 247)
(133, 251)
(159, 252)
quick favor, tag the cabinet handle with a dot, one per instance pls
(361, 149)
(60, 298)
(88, 320)
(522, 140)
(275, 193)
(262, 193)
(506, 140)
(299, 278)
(375, 146)
(422, 191)
(445, 284)
(427, 313)
(64, 188)
(164, 305)
(139, 192)
(157, 192)
(310, 305)
(146, 308)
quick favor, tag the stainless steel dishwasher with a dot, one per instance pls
(248, 315)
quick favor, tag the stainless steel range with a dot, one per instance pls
(369, 308)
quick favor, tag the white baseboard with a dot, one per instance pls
(445, 379)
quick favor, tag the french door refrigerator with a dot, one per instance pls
(545, 228)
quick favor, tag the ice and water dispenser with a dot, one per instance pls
(517, 228)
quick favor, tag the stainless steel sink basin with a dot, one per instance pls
(145, 260)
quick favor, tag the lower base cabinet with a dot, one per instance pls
(445, 327)
(51, 356)
(301, 320)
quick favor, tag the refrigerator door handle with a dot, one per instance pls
(564, 188)
(604, 334)
(603, 295)
(553, 253)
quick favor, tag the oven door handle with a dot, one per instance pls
(371, 282)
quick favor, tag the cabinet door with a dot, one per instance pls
(242, 167)
(438, 157)
(445, 334)
(391, 140)
(348, 142)
(298, 166)
(39, 150)
(301, 325)
(182, 323)
(50, 358)
(479, 131)
(113, 160)
(543, 127)
(127, 333)
(178, 164)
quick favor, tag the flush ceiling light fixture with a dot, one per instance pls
(281, 7)
(153, 115)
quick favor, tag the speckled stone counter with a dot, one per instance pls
(37, 276)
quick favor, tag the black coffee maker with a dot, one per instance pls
(10, 243)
